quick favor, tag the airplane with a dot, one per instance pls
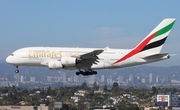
(87, 60)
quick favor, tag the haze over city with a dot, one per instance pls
(118, 24)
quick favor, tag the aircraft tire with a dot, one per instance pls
(95, 72)
(77, 73)
(16, 71)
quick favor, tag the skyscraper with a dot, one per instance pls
(22, 79)
(102, 78)
(150, 78)
(120, 79)
(157, 79)
(32, 78)
(131, 78)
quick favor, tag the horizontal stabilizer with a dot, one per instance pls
(157, 56)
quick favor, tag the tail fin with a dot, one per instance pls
(156, 38)
(154, 42)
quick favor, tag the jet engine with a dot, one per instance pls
(68, 61)
(54, 65)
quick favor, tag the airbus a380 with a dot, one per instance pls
(87, 60)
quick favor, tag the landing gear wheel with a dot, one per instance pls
(95, 72)
(77, 73)
(16, 71)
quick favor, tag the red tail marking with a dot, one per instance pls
(136, 49)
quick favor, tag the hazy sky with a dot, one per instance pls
(83, 23)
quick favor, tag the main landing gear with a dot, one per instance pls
(86, 73)
(16, 71)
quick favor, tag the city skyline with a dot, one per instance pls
(144, 76)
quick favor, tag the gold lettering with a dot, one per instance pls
(39, 54)
(44, 54)
(35, 54)
(29, 53)
(59, 55)
(48, 54)
(53, 54)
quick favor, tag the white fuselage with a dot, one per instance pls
(40, 56)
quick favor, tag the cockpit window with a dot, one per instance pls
(12, 54)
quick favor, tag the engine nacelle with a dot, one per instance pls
(54, 65)
(68, 61)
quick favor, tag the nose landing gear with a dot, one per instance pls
(16, 71)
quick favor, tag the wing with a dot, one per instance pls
(85, 61)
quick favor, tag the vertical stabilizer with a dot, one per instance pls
(156, 38)
(154, 41)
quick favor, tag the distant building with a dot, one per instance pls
(24, 108)
(5, 84)
(143, 80)
(22, 79)
(92, 79)
(32, 79)
(150, 78)
(120, 79)
(165, 79)
(157, 79)
(131, 78)
(175, 101)
(151, 108)
(80, 93)
(16, 76)
(109, 81)
(163, 100)
(100, 91)
(102, 78)
(168, 100)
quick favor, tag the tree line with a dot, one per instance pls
(34, 97)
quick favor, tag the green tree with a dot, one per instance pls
(25, 92)
(10, 95)
(115, 89)
(115, 84)
(4, 90)
(95, 86)
(48, 91)
(105, 88)
(84, 86)
(154, 90)
(65, 107)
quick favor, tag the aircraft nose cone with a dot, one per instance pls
(8, 59)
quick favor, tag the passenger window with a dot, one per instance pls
(12, 54)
